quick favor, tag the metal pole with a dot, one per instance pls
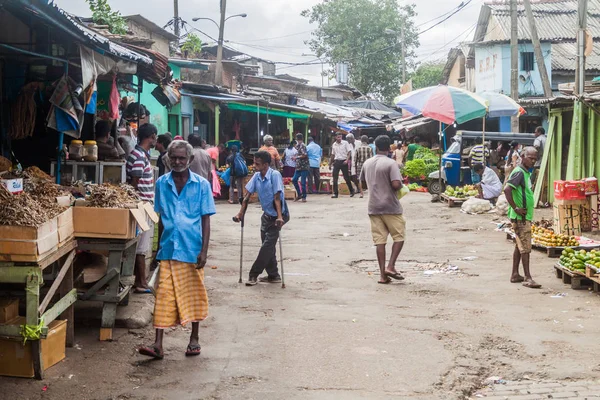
(440, 162)
(176, 19)
(322, 75)
(219, 66)
(403, 49)
(514, 61)
(539, 57)
(258, 123)
(582, 25)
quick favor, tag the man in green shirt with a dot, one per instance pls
(412, 148)
(520, 198)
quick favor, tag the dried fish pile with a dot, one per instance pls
(111, 196)
(35, 172)
(42, 188)
(24, 210)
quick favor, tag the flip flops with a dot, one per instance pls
(153, 352)
(142, 290)
(532, 285)
(193, 350)
(387, 280)
(395, 276)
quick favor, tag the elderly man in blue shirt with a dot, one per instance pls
(268, 183)
(315, 153)
(185, 203)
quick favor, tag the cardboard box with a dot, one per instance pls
(567, 219)
(575, 190)
(559, 190)
(289, 193)
(112, 223)
(15, 186)
(34, 242)
(591, 186)
(16, 358)
(594, 210)
(9, 310)
(66, 229)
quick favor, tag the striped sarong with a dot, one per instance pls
(181, 296)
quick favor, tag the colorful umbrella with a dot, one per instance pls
(500, 105)
(443, 103)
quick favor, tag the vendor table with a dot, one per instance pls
(118, 279)
(31, 275)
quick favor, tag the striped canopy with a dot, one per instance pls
(443, 103)
(500, 105)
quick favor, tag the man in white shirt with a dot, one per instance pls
(490, 186)
(341, 157)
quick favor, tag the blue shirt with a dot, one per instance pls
(266, 188)
(181, 215)
(372, 146)
(315, 152)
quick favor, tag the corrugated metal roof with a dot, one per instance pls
(556, 20)
(564, 57)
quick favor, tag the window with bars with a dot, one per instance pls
(527, 61)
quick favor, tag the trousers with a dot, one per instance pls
(337, 166)
(267, 257)
(300, 175)
(236, 183)
(314, 179)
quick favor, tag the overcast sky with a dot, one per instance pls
(262, 33)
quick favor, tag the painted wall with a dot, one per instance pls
(159, 114)
(492, 69)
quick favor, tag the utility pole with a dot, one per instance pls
(581, 36)
(176, 19)
(514, 61)
(219, 66)
(403, 49)
(537, 50)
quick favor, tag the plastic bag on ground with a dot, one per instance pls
(502, 205)
(476, 206)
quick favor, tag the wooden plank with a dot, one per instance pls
(32, 298)
(38, 363)
(92, 291)
(59, 278)
(18, 275)
(60, 306)
(69, 314)
(106, 334)
(14, 331)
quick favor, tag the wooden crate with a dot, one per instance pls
(576, 279)
(452, 201)
(568, 217)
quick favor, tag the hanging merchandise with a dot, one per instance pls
(66, 113)
(114, 100)
(24, 111)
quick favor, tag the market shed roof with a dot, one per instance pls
(34, 11)
(564, 58)
(555, 21)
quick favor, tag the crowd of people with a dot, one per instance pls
(184, 194)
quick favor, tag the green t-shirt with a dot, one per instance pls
(412, 148)
(519, 179)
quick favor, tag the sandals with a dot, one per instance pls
(193, 350)
(532, 285)
(396, 276)
(387, 280)
(153, 352)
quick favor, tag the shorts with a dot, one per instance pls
(523, 235)
(388, 224)
(144, 244)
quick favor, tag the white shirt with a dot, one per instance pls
(340, 150)
(490, 184)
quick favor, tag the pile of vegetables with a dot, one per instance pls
(546, 237)
(415, 187)
(425, 162)
(476, 206)
(576, 260)
(461, 192)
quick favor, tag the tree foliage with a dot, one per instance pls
(192, 46)
(428, 74)
(354, 31)
(102, 14)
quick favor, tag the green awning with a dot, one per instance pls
(271, 111)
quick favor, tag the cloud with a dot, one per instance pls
(275, 30)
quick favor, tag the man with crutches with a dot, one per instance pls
(268, 184)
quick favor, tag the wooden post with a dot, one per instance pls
(514, 61)
(539, 57)
(582, 25)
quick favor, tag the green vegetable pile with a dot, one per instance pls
(576, 260)
(425, 162)
(413, 186)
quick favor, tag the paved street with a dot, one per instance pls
(334, 333)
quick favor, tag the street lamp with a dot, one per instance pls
(221, 27)
(322, 71)
(400, 36)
